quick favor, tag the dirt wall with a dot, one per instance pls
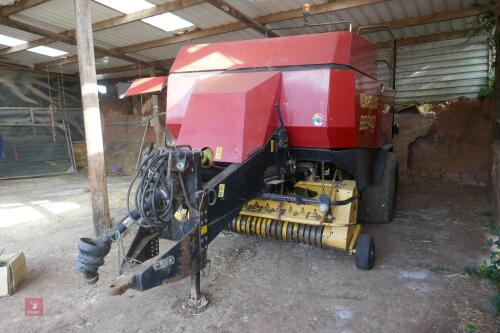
(456, 146)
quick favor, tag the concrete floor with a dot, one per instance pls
(254, 285)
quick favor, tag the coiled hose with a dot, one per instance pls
(154, 195)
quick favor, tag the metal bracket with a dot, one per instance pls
(164, 263)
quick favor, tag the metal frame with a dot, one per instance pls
(394, 49)
(235, 185)
(307, 25)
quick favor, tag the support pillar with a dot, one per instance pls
(155, 121)
(92, 117)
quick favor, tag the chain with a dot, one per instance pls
(116, 236)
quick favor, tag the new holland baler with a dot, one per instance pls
(285, 138)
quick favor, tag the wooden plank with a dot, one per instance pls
(109, 23)
(230, 10)
(315, 9)
(29, 45)
(92, 118)
(158, 65)
(118, 69)
(19, 6)
(183, 37)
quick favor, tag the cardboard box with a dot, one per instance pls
(12, 270)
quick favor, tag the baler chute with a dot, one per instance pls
(278, 138)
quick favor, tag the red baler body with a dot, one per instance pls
(222, 95)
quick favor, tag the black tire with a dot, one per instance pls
(365, 252)
(378, 201)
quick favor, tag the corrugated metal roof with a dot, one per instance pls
(101, 63)
(28, 57)
(57, 16)
(128, 74)
(204, 15)
(384, 12)
(170, 51)
(130, 33)
(70, 49)
(109, 62)
(11, 32)
(71, 68)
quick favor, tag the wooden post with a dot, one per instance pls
(92, 117)
(155, 122)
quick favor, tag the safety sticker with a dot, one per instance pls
(203, 229)
(222, 187)
(218, 153)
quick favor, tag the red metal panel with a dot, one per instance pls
(232, 114)
(325, 48)
(181, 87)
(304, 95)
(146, 85)
(343, 111)
(322, 107)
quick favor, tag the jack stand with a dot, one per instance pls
(197, 302)
(195, 286)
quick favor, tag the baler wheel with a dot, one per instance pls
(378, 201)
(365, 252)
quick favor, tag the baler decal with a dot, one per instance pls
(367, 122)
(369, 101)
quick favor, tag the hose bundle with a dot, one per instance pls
(154, 194)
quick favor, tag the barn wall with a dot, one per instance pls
(437, 71)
